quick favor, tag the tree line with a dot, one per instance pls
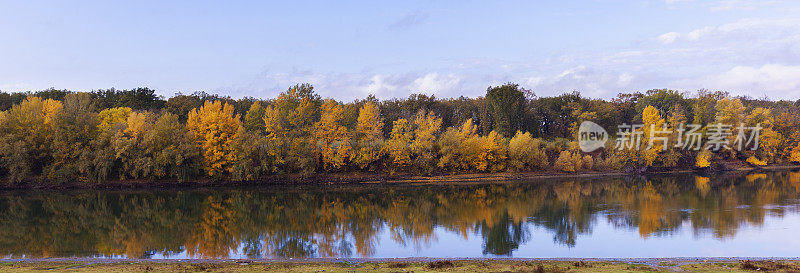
(61, 136)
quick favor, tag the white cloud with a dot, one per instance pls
(380, 84)
(725, 5)
(590, 81)
(668, 37)
(773, 80)
(743, 28)
(435, 83)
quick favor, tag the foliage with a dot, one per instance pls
(73, 129)
(215, 129)
(526, 152)
(569, 162)
(755, 161)
(398, 145)
(369, 136)
(507, 103)
(61, 136)
(703, 159)
(289, 123)
(111, 116)
(426, 129)
(254, 119)
(333, 139)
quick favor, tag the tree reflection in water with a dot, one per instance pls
(349, 220)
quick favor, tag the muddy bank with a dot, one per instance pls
(360, 178)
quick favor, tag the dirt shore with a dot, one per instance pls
(359, 178)
(407, 265)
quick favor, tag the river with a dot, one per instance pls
(681, 215)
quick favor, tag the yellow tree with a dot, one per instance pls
(652, 124)
(397, 146)
(526, 152)
(493, 153)
(333, 139)
(369, 132)
(769, 140)
(457, 144)
(215, 126)
(109, 117)
(730, 112)
(26, 135)
(128, 146)
(426, 126)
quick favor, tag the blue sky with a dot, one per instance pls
(349, 49)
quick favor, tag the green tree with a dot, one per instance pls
(74, 128)
(507, 103)
(172, 149)
(254, 119)
(289, 123)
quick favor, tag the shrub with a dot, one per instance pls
(526, 152)
(755, 161)
(703, 159)
(587, 163)
(794, 155)
(569, 162)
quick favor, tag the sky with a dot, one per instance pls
(391, 49)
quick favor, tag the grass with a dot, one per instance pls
(418, 266)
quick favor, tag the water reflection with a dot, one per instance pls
(359, 221)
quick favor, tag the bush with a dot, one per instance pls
(526, 152)
(794, 155)
(755, 161)
(587, 163)
(569, 162)
(703, 159)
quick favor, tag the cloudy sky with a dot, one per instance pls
(349, 49)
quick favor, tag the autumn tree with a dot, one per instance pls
(452, 146)
(463, 149)
(215, 127)
(526, 152)
(172, 149)
(289, 122)
(129, 149)
(74, 128)
(333, 139)
(769, 140)
(730, 112)
(26, 136)
(254, 119)
(569, 162)
(256, 156)
(397, 147)
(369, 136)
(653, 123)
(426, 128)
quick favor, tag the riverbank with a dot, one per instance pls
(407, 265)
(363, 178)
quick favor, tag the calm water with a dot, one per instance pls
(659, 216)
